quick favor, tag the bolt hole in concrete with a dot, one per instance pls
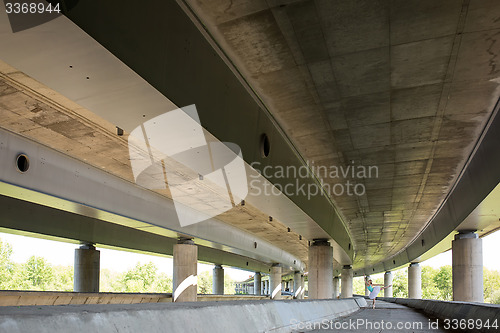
(22, 163)
(265, 146)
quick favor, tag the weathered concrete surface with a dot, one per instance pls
(185, 283)
(479, 313)
(87, 269)
(41, 114)
(346, 282)
(27, 298)
(320, 270)
(414, 281)
(386, 317)
(406, 86)
(388, 282)
(218, 280)
(254, 316)
(467, 268)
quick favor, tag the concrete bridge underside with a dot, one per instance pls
(408, 87)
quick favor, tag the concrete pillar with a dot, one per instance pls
(218, 280)
(297, 284)
(303, 286)
(257, 279)
(467, 267)
(86, 270)
(346, 285)
(320, 270)
(335, 293)
(414, 281)
(185, 279)
(388, 282)
(262, 290)
(275, 284)
(367, 292)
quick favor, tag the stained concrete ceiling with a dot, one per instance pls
(38, 113)
(406, 86)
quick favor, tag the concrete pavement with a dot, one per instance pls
(387, 317)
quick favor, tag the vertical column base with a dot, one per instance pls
(218, 280)
(388, 282)
(257, 279)
(346, 285)
(185, 279)
(320, 270)
(86, 269)
(275, 282)
(414, 281)
(467, 267)
(335, 293)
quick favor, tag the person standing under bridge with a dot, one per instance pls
(374, 290)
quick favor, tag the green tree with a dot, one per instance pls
(163, 283)
(429, 289)
(205, 283)
(141, 278)
(358, 286)
(491, 286)
(443, 282)
(63, 278)
(6, 265)
(400, 283)
(229, 285)
(37, 273)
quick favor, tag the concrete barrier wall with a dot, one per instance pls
(251, 316)
(461, 312)
(26, 298)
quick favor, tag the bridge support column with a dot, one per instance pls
(335, 293)
(388, 282)
(257, 278)
(414, 281)
(86, 270)
(367, 292)
(467, 267)
(346, 285)
(303, 285)
(218, 280)
(320, 270)
(275, 282)
(185, 271)
(297, 285)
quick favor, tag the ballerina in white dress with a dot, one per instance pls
(374, 290)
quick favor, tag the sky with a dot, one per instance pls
(60, 253)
